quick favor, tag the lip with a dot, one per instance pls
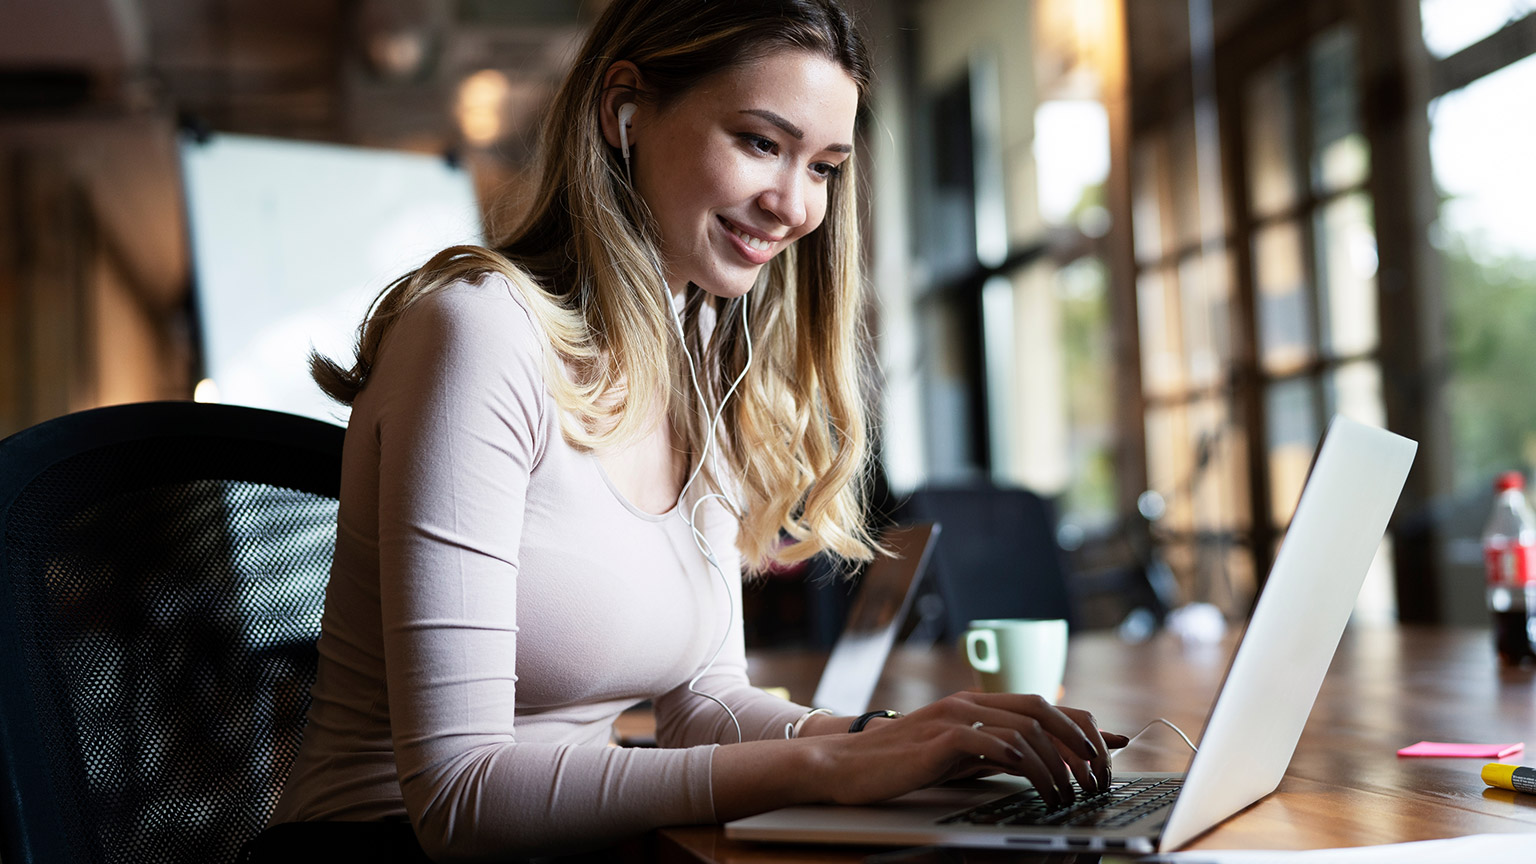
(753, 256)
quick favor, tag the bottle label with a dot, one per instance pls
(1510, 564)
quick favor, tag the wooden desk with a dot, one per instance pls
(1346, 786)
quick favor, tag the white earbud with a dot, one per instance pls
(626, 111)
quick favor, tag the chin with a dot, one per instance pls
(726, 289)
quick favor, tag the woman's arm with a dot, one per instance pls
(1023, 735)
(958, 736)
(458, 396)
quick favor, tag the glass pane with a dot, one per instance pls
(1292, 434)
(1480, 143)
(1340, 156)
(1146, 200)
(1354, 390)
(1346, 277)
(1200, 361)
(1207, 487)
(1284, 307)
(1205, 295)
(1229, 467)
(1271, 129)
(1082, 290)
(1451, 25)
(1161, 350)
(1184, 181)
(949, 436)
(1218, 489)
(1235, 595)
(1168, 462)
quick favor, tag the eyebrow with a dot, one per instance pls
(795, 131)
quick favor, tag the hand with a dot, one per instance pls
(968, 734)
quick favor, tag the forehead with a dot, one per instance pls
(804, 87)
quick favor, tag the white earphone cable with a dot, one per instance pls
(1166, 722)
(690, 518)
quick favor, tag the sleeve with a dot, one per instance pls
(686, 719)
(460, 400)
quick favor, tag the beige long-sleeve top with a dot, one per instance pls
(495, 603)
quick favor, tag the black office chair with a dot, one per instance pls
(162, 574)
(997, 558)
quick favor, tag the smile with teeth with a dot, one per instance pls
(754, 243)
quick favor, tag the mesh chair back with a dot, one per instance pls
(162, 575)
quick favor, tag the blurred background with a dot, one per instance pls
(1129, 254)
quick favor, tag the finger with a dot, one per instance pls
(1022, 712)
(1081, 769)
(1045, 747)
(1056, 753)
(1100, 760)
(1021, 760)
(1114, 740)
(1073, 727)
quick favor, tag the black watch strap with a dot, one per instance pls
(862, 720)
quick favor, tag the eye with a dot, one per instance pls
(759, 144)
(826, 170)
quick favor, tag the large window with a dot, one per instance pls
(1480, 142)
(1258, 313)
(1260, 321)
(1196, 447)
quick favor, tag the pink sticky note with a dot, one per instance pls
(1467, 751)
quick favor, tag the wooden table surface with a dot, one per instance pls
(1387, 688)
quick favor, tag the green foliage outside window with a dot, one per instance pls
(1491, 392)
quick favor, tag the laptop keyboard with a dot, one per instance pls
(1124, 803)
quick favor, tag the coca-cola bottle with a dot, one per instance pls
(1509, 550)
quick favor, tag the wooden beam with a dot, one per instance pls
(1511, 43)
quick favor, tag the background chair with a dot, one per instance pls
(162, 574)
(997, 558)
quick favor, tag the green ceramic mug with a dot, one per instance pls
(1018, 655)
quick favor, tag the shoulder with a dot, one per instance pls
(491, 308)
(468, 336)
(484, 323)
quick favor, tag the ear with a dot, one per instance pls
(621, 84)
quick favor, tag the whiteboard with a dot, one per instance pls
(291, 241)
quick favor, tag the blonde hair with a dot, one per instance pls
(794, 437)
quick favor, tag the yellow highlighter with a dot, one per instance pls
(1512, 777)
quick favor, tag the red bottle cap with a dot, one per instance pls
(1509, 480)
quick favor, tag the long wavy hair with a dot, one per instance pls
(793, 439)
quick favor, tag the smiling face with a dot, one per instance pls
(738, 167)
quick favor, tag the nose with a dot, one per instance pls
(785, 198)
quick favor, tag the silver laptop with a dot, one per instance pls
(884, 595)
(1251, 732)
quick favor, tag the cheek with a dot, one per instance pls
(708, 185)
(816, 204)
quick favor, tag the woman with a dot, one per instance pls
(563, 450)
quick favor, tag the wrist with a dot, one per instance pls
(862, 721)
(799, 728)
(823, 724)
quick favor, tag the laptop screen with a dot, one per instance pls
(884, 595)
